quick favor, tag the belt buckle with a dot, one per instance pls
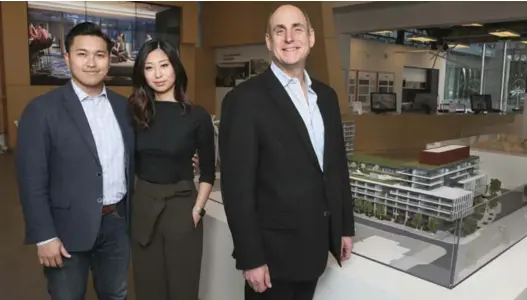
(109, 209)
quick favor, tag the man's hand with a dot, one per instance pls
(345, 251)
(258, 279)
(195, 163)
(51, 253)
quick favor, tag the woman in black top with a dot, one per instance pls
(167, 232)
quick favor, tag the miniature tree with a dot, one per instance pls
(380, 211)
(468, 226)
(432, 224)
(359, 206)
(494, 186)
(368, 208)
(418, 221)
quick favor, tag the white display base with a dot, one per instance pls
(360, 278)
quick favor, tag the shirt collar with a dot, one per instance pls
(82, 95)
(286, 79)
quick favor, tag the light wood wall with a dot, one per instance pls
(222, 28)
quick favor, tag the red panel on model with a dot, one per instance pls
(444, 155)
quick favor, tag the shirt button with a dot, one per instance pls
(99, 200)
(99, 174)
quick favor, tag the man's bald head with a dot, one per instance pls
(286, 9)
(289, 37)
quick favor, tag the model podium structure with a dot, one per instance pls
(348, 129)
(440, 186)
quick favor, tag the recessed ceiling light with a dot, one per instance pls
(472, 25)
(504, 33)
(382, 31)
(423, 39)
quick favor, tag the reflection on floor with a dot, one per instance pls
(54, 65)
(510, 144)
(522, 296)
(21, 276)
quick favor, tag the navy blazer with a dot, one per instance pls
(58, 170)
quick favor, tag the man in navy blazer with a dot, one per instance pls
(74, 163)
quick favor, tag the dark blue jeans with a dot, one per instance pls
(108, 260)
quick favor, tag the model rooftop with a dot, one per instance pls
(444, 155)
(444, 148)
(397, 163)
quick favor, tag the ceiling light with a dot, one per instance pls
(504, 33)
(472, 25)
(523, 42)
(458, 46)
(382, 32)
(422, 39)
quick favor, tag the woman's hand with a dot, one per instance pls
(196, 218)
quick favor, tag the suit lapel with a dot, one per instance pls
(325, 112)
(282, 99)
(74, 107)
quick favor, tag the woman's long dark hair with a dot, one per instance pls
(143, 98)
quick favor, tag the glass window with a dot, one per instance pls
(462, 75)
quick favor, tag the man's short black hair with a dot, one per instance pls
(86, 28)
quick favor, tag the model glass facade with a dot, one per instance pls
(445, 191)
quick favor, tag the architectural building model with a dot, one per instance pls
(348, 127)
(441, 185)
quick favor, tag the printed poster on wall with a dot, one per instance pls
(128, 25)
(235, 65)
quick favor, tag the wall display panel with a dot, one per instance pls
(352, 86)
(386, 82)
(128, 24)
(367, 84)
(235, 65)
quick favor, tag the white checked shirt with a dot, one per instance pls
(109, 142)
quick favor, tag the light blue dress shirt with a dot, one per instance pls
(307, 108)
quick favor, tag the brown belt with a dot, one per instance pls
(112, 208)
(109, 209)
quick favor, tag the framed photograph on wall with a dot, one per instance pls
(128, 24)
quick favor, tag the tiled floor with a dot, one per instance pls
(21, 276)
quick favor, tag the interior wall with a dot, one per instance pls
(3, 111)
(19, 92)
(374, 56)
(249, 27)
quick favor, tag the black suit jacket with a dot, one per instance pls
(58, 169)
(275, 195)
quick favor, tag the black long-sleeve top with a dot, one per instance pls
(165, 149)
